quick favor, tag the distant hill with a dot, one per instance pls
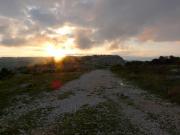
(95, 61)
(71, 63)
(15, 62)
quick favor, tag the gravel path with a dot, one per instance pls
(150, 114)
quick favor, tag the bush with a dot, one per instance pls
(160, 79)
(5, 73)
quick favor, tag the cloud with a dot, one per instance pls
(43, 16)
(12, 8)
(115, 45)
(127, 18)
(13, 41)
(147, 34)
(15, 32)
(107, 21)
(82, 39)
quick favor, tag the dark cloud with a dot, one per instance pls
(83, 40)
(118, 44)
(43, 16)
(127, 18)
(13, 41)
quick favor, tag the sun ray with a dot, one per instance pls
(57, 53)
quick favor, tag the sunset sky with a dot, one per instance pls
(129, 28)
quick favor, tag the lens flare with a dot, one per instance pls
(57, 53)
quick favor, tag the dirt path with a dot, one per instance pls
(151, 115)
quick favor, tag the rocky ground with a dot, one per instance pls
(97, 103)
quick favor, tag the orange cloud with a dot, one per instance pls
(147, 35)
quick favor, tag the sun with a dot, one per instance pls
(57, 53)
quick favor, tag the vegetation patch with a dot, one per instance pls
(31, 84)
(160, 79)
(105, 119)
(26, 122)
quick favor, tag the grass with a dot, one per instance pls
(33, 85)
(158, 79)
(105, 119)
(26, 122)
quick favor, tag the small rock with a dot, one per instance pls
(25, 85)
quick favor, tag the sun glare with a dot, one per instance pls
(57, 53)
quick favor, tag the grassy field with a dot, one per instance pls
(162, 80)
(105, 118)
(31, 84)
